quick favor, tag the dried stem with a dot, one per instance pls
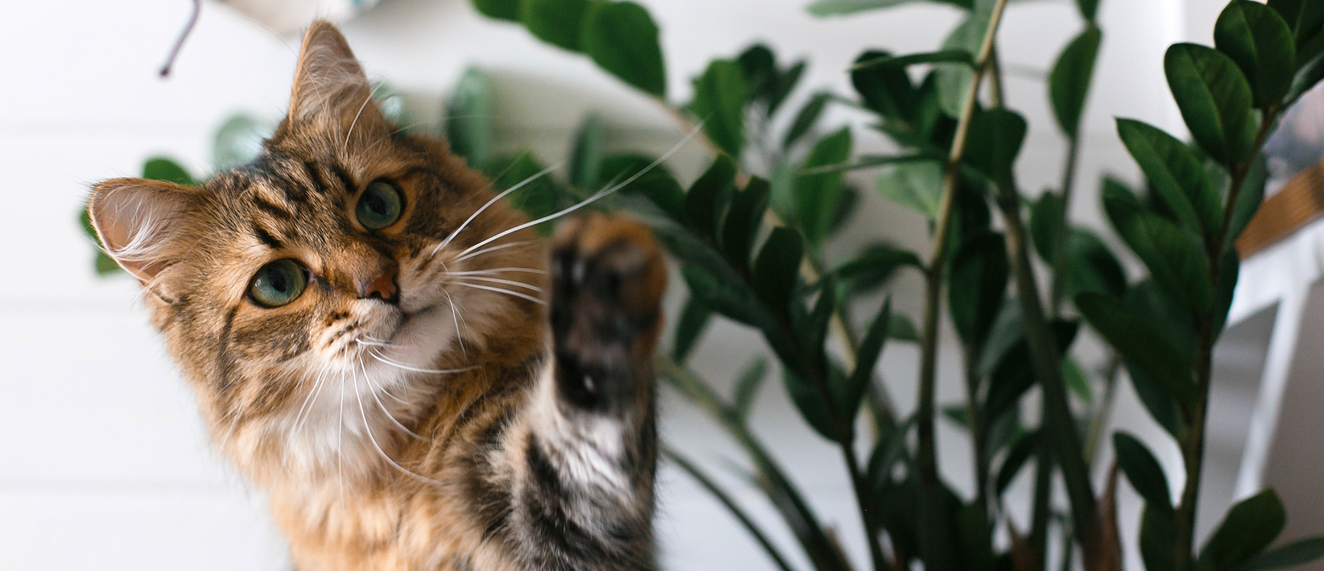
(179, 44)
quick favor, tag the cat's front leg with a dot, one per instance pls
(591, 454)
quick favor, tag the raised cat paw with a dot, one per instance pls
(608, 277)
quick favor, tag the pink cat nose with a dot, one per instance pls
(381, 287)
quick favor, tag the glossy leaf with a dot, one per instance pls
(163, 169)
(1134, 335)
(1075, 379)
(954, 80)
(1143, 471)
(875, 266)
(1088, 8)
(778, 267)
(817, 194)
(622, 38)
(1248, 199)
(499, 9)
(656, 183)
(557, 22)
(977, 286)
(1016, 458)
(1045, 222)
(719, 101)
(587, 152)
(540, 197)
(1261, 44)
(747, 385)
(808, 399)
(995, 140)
(707, 198)
(1303, 17)
(1069, 81)
(885, 90)
(867, 357)
(742, 222)
(806, 118)
(1229, 270)
(758, 66)
(1215, 100)
(915, 185)
(469, 119)
(844, 7)
(1091, 266)
(1249, 527)
(693, 320)
(1158, 539)
(1175, 259)
(1294, 554)
(1175, 174)
(729, 299)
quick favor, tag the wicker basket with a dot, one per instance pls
(1299, 202)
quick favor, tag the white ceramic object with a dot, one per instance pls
(289, 17)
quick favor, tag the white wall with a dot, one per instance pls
(105, 465)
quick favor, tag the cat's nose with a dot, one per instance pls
(381, 287)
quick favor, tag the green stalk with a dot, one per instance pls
(1062, 233)
(1192, 443)
(1046, 359)
(935, 532)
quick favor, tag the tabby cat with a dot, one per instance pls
(376, 343)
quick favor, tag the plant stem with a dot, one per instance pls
(1063, 234)
(1192, 443)
(935, 533)
(1046, 360)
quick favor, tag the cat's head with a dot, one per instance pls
(311, 292)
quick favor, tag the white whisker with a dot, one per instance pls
(495, 248)
(506, 282)
(356, 115)
(416, 369)
(373, 389)
(368, 428)
(455, 316)
(505, 291)
(596, 196)
(471, 217)
(496, 271)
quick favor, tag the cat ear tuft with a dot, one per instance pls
(138, 222)
(329, 83)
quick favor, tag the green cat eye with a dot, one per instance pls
(380, 206)
(278, 283)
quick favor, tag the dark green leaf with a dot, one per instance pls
(1158, 400)
(1075, 379)
(816, 195)
(1069, 82)
(996, 136)
(742, 222)
(777, 268)
(1045, 224)
(469, 119)
(729, 299)
(808, 400)
(974, 537)
(1091, 266)
(759, 66)
(1294, 554)
(823, 8)
(538, 197)
(587, 153)
(954, 80)
(813, 331)
(1019, 453)
(785, 83)
(886, 90)
(867, 357)
(882, 59)
(693, 319)
(500, 9)
(902, 329)
(719, 101)
(1303, 17)
(1229, 269)
(875, 161)
(706, 201)
(1175, 259)
(875, 265)
(656, 183)
(1088, 8)
(747, 385)
(1175, 174)
(622, 38)
(1158, 539)
(1249, 527)
(1143, 471)
(978, 284)
(556, 22)
(958, 414)
(1215, 101)
(805, 119)
(915, 185)
(161, 168)
(1135, 336)
(1261, 44)
(1248, 199)
(1014, 374)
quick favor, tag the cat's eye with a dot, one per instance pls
(278, 283)
(380, 206)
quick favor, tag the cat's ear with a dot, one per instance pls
(330, 87)
(140, 222)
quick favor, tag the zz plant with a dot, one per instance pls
(751, 236)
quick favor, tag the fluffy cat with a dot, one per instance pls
(375, 342)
